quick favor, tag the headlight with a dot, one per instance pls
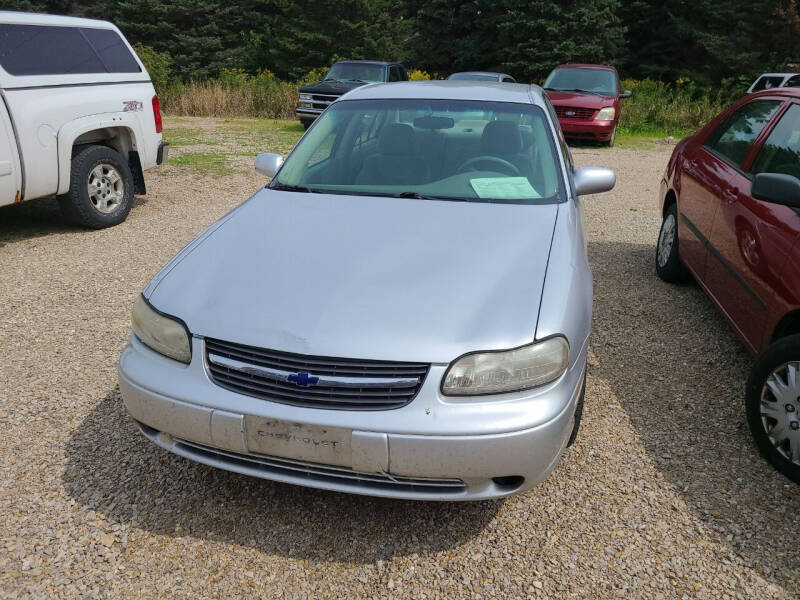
(507, 371)
(164, 334)
(306, 97)
(606, 114)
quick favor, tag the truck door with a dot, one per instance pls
(10, 175)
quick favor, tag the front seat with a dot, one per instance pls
(503, 139)
(397, 160)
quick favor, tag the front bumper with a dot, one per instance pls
(308, 114)
(435, 448)
(599, 131)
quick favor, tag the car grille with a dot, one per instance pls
(266, 466)
(313, 381)
(322, 101)
(574, 112)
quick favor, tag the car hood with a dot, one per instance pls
(365, 277)
(579, 100)
(330, 87)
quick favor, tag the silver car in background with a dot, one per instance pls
(403, 311)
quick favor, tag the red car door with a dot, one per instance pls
(750, 239)
(703, 177)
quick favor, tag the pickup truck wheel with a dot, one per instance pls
(306, 123)
(101, 188)
(772, 403)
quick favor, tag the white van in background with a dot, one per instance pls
(767, 81)
(79, 117)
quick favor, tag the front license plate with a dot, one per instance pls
(323, 445)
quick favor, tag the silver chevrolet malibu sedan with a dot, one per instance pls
(403, 311)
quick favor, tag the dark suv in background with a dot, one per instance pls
(343, 77)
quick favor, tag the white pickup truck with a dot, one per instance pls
(79, 117)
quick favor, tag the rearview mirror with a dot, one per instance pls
(268, 163)
(777, 188)
(626, 94)
(593, 180)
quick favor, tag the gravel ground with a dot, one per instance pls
(663, 496)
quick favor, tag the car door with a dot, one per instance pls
(10, 174)
(754, 238)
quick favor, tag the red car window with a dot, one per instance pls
(733, 139)
(781, 151)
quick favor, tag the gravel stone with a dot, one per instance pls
(662, 496)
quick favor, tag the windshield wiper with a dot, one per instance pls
(576, 90)
(418, 196)
(357, 80)
(293, 188)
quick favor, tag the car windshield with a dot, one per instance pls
(473, 77)
(593, 81)
(428, 149)
(356, 72)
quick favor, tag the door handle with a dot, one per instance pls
(730, 195)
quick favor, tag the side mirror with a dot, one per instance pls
(268, 163)
(593, 180)
(776, 188)
(626, 94)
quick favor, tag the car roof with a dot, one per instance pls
(585, 66)
(775, 75)
(480, 73)
(28, 18)
(486, 91)
(789, 92)
(367, 62)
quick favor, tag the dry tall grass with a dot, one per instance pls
(275, 100)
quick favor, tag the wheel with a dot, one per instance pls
(772, 403)
(100, 189)
(612, 139)
(668, 261)
(306, 124)
(578, 415)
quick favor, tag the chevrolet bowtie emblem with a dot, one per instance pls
(303, 379)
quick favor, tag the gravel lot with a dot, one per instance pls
(663, 495)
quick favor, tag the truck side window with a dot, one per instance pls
(52, 50)
(394, 73)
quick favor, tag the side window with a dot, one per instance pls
(394, 73)
(734, 138)
(112, 50)
(793, 81)
(51, 50)
(781, 152)
(562, 143)
(766, 83)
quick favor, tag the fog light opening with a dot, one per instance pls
(509, 482)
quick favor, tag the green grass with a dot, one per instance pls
(184, 137)
(206, 163)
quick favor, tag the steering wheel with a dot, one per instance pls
(506, 166)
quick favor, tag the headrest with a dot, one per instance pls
(397, 138)
(501, 137)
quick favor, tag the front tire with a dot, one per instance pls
(668, 261)
(772, 403)
(578, 414)
(612, 139)
(306, 124)
(100, 189)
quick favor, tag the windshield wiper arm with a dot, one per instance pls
(418, 196)
(292, 188)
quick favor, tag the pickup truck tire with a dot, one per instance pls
(100, 189)
(306, 123)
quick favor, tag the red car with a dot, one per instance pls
(586, 99)
(730, 201)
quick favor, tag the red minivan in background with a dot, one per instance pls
(586, 100)
(730, 205)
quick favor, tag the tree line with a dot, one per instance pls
(709, 42)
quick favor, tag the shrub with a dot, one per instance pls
(417, 75)
(657, 108)
(158, 65)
